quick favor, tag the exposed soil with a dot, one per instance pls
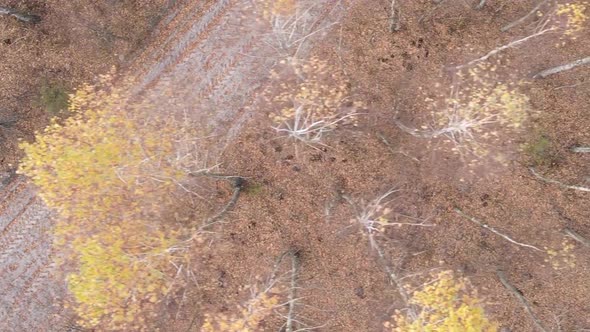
(298, 197)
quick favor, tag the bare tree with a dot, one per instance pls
(23, 17)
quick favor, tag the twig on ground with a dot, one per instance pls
(561, 184)
(559, 69)
(521, 299)
(505, 47)
(493, 230)
(576, 236)
(27, 18)
(581, 149)
(238, 184)
(524, 18)
(395, 17)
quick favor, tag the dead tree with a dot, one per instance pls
(23, 17)
(395, 17)
(559, 69)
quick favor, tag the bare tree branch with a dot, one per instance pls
(524, 18)
(493, 230)
(505, 47)
(395, 17)
(238, 184)
(559, 69)
(576, 236)
(581, 149)
(579, 188)
(27, 18)
(521, 299)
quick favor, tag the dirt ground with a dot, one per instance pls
(298, 197)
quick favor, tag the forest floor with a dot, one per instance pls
(305, 198)
(299, 194)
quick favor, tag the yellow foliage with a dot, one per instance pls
(446, 305)
(562, 258)
(115, 283)
(575, 14)
(108, 170)
(100, 157)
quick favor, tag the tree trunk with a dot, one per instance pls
(27, 18)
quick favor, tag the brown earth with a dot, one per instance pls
(297, 195)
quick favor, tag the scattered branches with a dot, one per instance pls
(493, 230)
(521, 299)
(393, 151)
(561, 184)
(372, 218)
(292, 23)
(559, 69)
(309, 130)
(571, 13)
(265, 301)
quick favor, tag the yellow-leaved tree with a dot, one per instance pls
(445, 305)
(109, 171)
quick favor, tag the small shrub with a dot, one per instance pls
(54, 98)
(541, 152)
